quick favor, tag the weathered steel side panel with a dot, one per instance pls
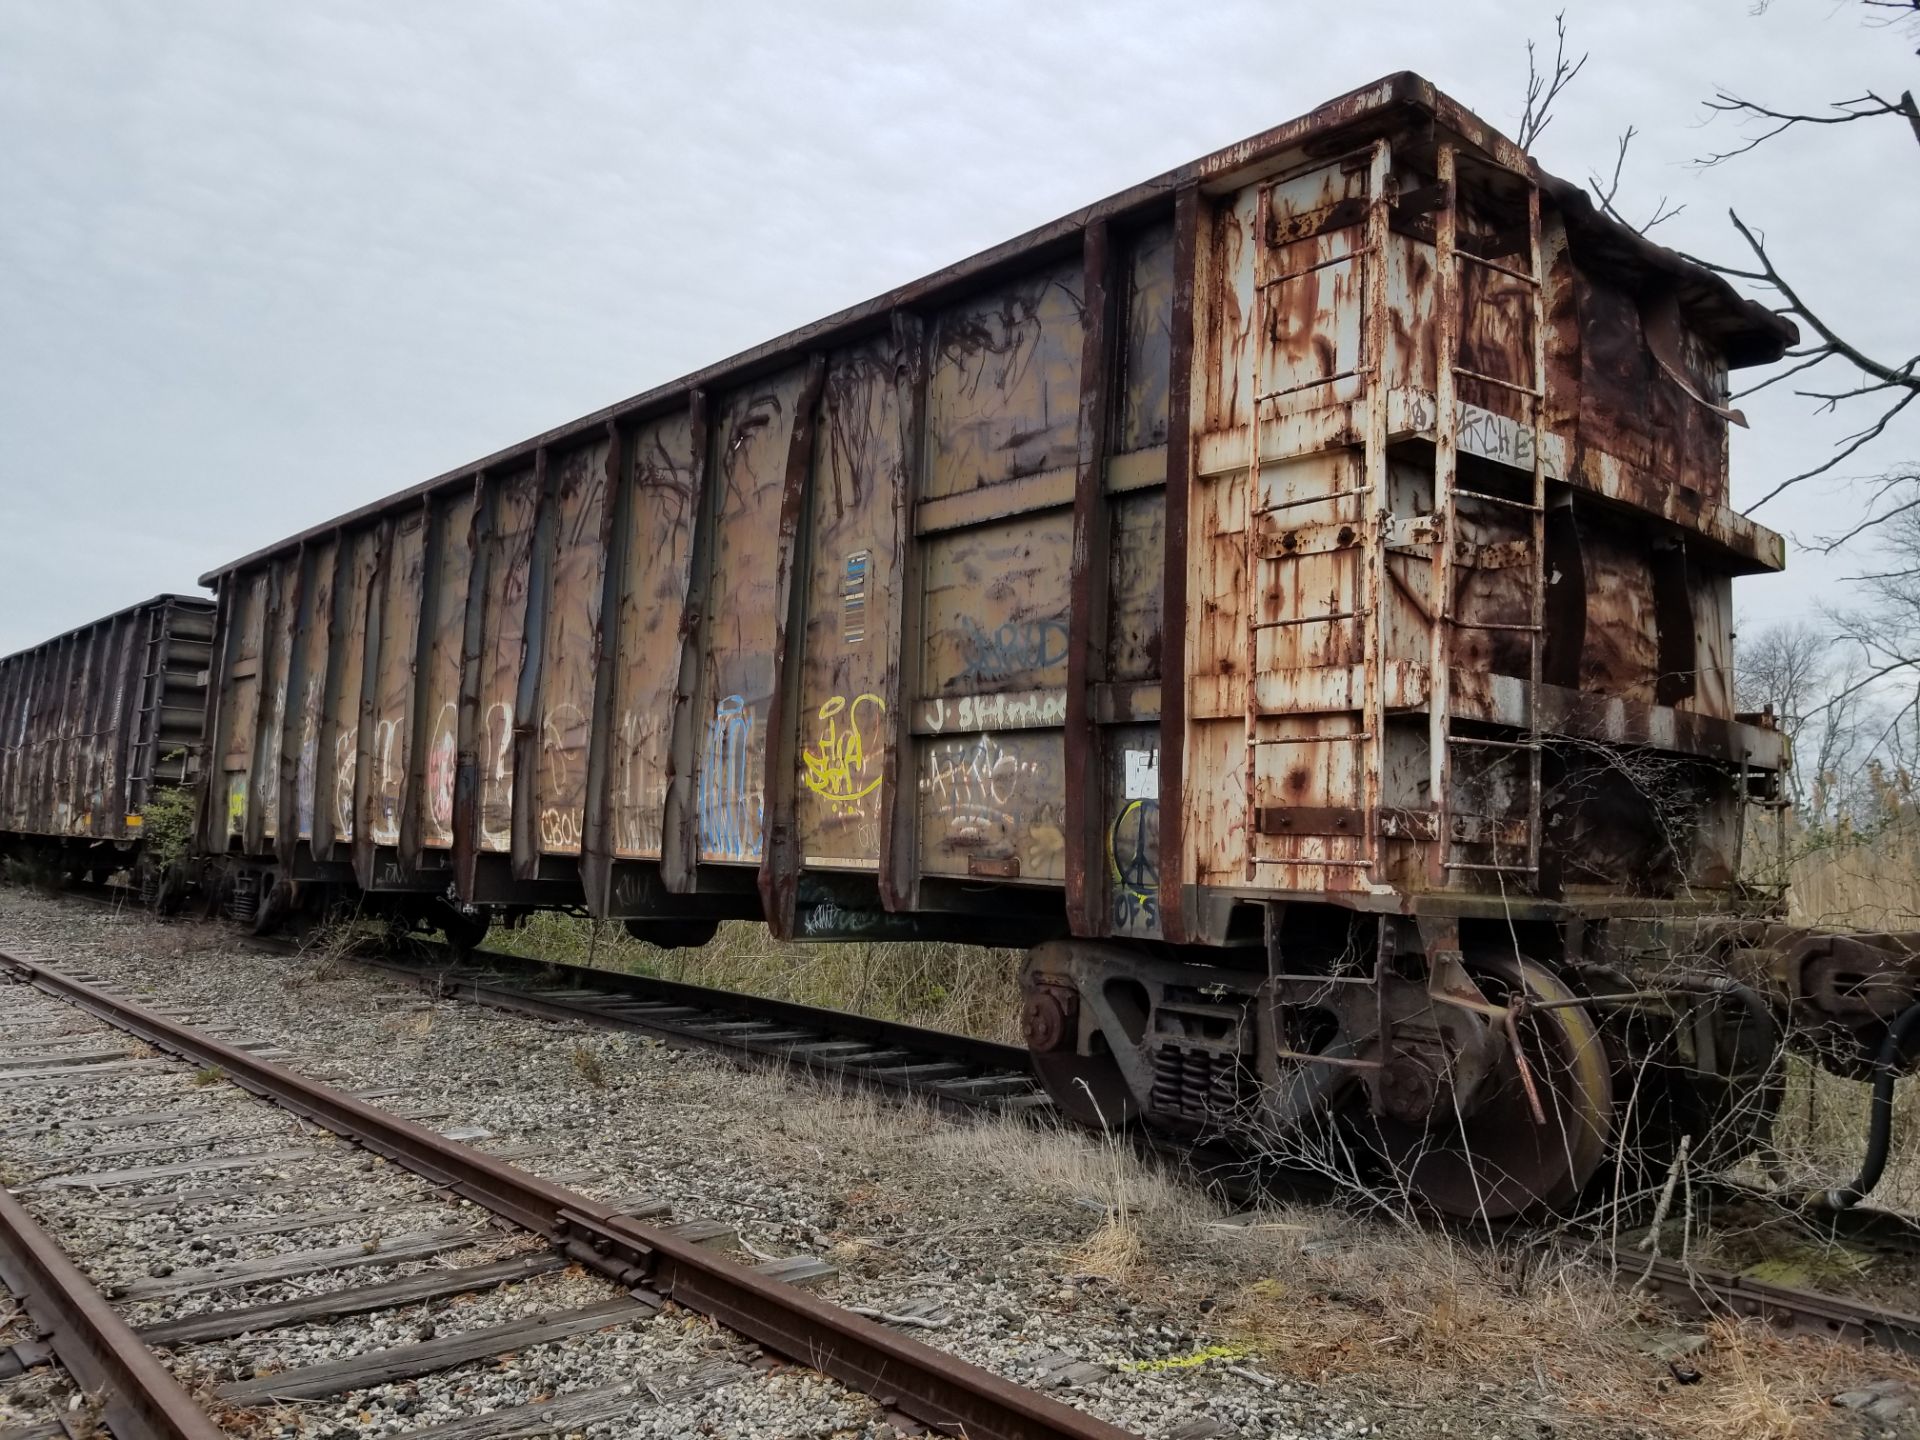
(91, 727)
(12, 736)
(240, 702)
(996, 520)
(1136, 617)
(504, 636)
(439, 716)
(1004, 392)
(392, 698)
(1629, 405)
(848, 646)
(751, 435)
(567, 666)
(309, 705)
(275, 666)
(1145, 380)
(653, 628)
(65, 736)
(41, 669)
(340, 741)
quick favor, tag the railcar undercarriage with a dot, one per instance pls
(1487, 1070)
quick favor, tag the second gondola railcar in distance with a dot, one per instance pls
(94, 723)
(1292, 594)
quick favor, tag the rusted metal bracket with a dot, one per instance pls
(1311, 820)
(1395, 822)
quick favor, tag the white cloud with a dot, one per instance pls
(265, 263)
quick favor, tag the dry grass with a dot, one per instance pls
(1859, 880)
(1853, 880)
(963, 988)
(1822, 1133)
(588, 1065)
(1432, 1323)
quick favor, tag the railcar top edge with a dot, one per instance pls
(1748, 332)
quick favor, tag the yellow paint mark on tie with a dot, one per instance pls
(1204, 1356)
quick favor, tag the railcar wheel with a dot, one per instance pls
(465, 927)
(1087, 1089)
(275, 907)
(1499, 1161)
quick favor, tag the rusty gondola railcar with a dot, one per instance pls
(1296, 590)
(92, 722)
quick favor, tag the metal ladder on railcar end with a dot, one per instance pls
(146, 724)
(1450, 257)
(1370, 579)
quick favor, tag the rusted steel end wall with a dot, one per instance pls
(1360, 518)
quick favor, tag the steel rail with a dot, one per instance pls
(1691, 1288)
(141, 1399)
(1716, 1293)
(933, 1387)
(458, 981)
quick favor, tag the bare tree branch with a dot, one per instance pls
(1828, 544)
(1543, 90)
(1851, 446)
(1904, 378)
(1808, 361)
(1661, 210)
(1904, 12)
(1900, 375)
(1841, 112)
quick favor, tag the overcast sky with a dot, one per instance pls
(263, 263)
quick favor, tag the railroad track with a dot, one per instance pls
(97, 1121)
(960, 1073)
(953, 1072)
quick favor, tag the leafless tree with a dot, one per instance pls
(1806, 674)
(1606, 192)
(1543, 88)
(1891, 383)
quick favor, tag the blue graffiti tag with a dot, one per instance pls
(731, 801)
(1015, 648)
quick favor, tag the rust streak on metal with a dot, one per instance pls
(1087, 605)
(780, 859)
(1182, 425)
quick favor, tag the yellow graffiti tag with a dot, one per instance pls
(836, 765)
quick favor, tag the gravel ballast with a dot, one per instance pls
(1007, 1247)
